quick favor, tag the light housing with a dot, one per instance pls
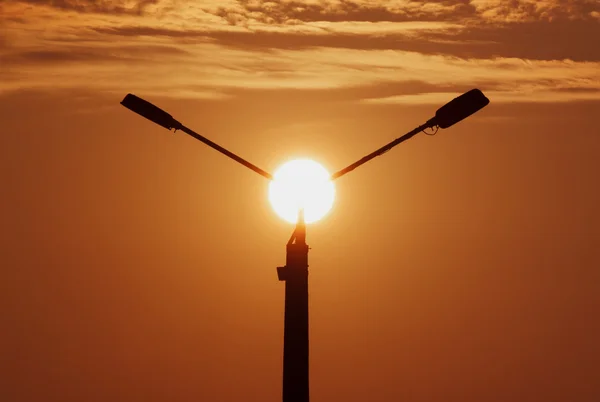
(460, 108)
(149, 111)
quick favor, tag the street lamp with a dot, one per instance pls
(295, 272)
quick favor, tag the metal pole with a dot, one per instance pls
(295, 334)
(380, 151)
(225, 152)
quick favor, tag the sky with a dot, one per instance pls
(140, 265)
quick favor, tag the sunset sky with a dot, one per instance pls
(139, 265)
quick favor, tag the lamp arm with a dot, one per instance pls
(380, 151)
(164, 119)
(225, 152)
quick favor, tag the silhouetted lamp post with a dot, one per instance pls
(295, 271)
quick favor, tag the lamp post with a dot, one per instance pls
(295, 326)
(295, 271)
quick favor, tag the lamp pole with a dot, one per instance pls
(295, 271)
(295, 332)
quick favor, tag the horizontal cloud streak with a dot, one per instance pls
(439, 98)
(117, 7)
(225, 69)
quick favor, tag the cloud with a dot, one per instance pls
(534, 10)
(440, 98)
(117, 7)
(282, 12)
(462, 12)
(539, 40)
(223, 70)
(83, 54)
(474, 11)
(368, 50)
(290, 12)
(317, 28)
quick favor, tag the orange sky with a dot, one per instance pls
(139, 265)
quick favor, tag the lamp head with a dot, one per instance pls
(460, 108)
(149, 111)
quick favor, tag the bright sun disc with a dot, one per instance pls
(301, 183)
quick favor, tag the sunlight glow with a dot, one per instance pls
(301, 183)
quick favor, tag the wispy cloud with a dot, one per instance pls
(534, 10)
(543, 96)
(117, 7)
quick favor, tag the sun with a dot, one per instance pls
(301, 183)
